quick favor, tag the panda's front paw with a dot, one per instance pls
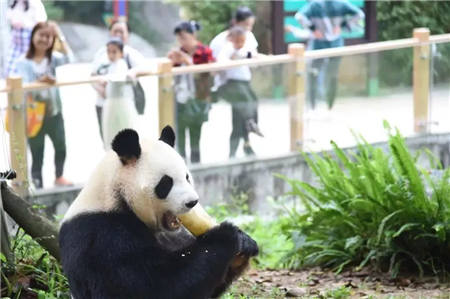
(247, 246)
(226, 234)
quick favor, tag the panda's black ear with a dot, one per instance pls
(126, 145)
(168, 136)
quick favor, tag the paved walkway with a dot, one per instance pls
(363, 115)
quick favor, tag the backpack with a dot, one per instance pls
(138, 92)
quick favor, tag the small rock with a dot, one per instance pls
(313, 282)
(350, 284)
(296, 292)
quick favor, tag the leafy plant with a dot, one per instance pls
(35, 272)
(372, 207)
(338, 293)
(235, 206)
(273, 244)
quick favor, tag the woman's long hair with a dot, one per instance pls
(32, 49)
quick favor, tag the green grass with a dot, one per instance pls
(372, 207)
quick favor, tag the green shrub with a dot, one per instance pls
(34, 274)
(273, 244)
(372, 207)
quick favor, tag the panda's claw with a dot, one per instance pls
(247, 246)
(226, 234)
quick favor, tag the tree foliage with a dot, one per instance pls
(214, 16)
(396, 20)
(86, 12)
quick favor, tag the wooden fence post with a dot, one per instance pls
(166, 101)
(297, 95)
(421, 81)
(17, 134)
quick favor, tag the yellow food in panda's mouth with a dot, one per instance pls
(197, 221)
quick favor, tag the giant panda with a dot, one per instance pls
(116, 240)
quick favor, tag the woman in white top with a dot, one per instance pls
(233, 85)
(22, 15)
(132, 57)
(243, 18)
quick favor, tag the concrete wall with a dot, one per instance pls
(219, 182)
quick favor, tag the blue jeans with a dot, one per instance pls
(322, 76)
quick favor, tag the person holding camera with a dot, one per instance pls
(192, 91)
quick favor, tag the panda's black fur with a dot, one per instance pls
(114, 255)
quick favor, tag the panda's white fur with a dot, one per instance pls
(136, 182)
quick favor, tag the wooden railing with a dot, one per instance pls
(296, 56)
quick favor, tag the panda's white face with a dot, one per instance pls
(152, 177)
(165, 178)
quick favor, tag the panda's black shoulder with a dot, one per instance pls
(112, 234)
(112, 251)
(106, 226)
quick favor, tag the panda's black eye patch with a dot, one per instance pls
(187, 178)
(164, 186)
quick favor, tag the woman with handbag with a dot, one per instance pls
(191, 91)
(39, 65)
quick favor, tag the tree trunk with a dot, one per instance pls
(4, 236)
(39, 227)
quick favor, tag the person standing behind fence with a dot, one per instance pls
(244, 18)
(326, 19)
(191, 91)
(238, 92)
(22, 15)
(39, 65)
(118, 112)
(132, 56)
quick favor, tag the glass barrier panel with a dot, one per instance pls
(219, 119)
(91, 121)
(248, 118)
(440, 88)
(357, 93)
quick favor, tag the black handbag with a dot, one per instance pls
(138, 92)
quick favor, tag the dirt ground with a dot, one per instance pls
(315, 283)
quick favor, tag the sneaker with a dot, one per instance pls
(62, 181)
(37, 183)
(253, 127)
(248, 150)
